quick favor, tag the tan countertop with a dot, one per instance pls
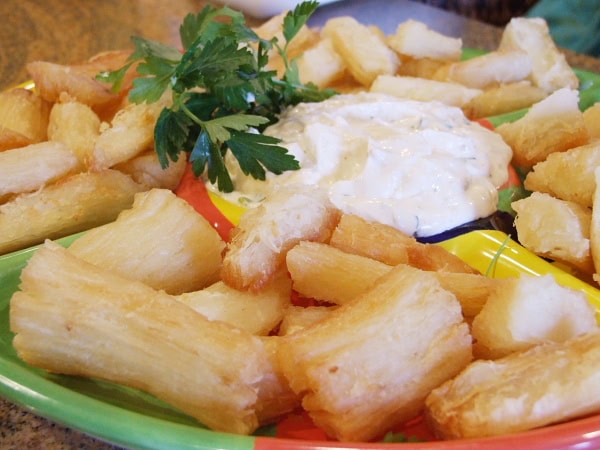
(69, 31)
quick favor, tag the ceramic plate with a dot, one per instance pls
(131, 418)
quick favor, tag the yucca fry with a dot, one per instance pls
(567, 175)
(502, 99)
(75, 203)
(414, 38)
(507, 322)
(489, 69)
(383, 243)
(550, 69)
(72, 317)
(555, 229)
(131, 132)
(370, 364)
(297, 318)
(419, 67)
(159, 227)
(550, 383)
(275, 396)
(591, 117)
(77, 126)
(472, 290)
(313, 266)
(424, 90)
(273, 28)
(347, 85)
(264, 235)
(10, 139)
(27, 169)
(23, 118)
(554, 124)
(391, 246)
(257, 313)
(305, 39)
(79, 81)
(147, 170)
(321, 64)
(365, 54)
(595, 228)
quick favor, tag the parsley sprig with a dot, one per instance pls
(223, 94)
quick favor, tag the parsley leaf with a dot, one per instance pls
(223, 95)
(253, 151)
(294, 21)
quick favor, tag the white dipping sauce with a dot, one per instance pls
(420, 167)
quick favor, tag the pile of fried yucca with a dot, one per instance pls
(73, 153)
(156, 300)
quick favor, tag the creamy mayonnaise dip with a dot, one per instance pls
(421, 167)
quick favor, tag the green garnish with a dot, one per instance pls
(491, 270)
(222, 92)
(391, 437)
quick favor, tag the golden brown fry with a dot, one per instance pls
(75, 318)
(370, 364)
(507, 324)
(550, 69)
(328, 274)
(391, 246)
(264, 235)
(416, 39)
(111, 60)
(554, 124)
(79, 81)
(27, 169)
(257, 313)
(75, 203)
(10, 139)
(321, 64)
(591, 117)
(130, 134)
(567, 175)
(146, 169)
(275, 397)
(159, 227)
(297, 318)
(364, 52)
(273, 28)
(595, 228)
(419, 67)
(424, 90)
(77, 126)
(550, 383)
(313, 266)
(502, 99)
(555, 229)
(472, 290)
(23, 118)
(489, 69)
(380, 242)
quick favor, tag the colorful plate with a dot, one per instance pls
(131, 418)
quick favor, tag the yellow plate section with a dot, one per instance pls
(493, 253)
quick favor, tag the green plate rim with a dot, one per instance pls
(25, 386)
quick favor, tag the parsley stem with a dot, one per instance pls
(190, 114)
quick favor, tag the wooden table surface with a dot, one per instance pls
(70, 31)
